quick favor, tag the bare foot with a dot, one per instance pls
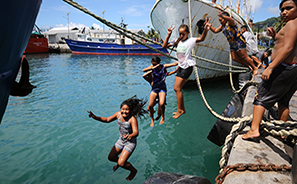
(115, 167)
(250, 134)
(131, 175)
(174, 113)
(162, 120)
(178, 114)
(260, 65)
(255, 72)
(152, 123)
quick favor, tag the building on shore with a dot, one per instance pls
(57, 35)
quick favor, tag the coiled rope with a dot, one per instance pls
(274, 127)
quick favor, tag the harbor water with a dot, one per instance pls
(47, 136)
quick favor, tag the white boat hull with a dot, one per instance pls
(215, 47)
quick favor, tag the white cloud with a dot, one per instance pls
(256, 5)
(96, 26)
(137, 10)
(274, 10)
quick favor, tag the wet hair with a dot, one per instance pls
(156, 59)
(281, 4)
(136, 106)
(186, 27)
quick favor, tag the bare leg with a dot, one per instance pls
(158, 113)
(283, 113)
(162, 97)
(113, 157)
(152, 99)
(257, 118)
(243, 56)
(178, 85)
(236, 58)
(258, 61)
(122, 162)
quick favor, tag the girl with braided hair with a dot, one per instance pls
(128, 126)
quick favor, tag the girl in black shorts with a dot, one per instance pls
(185, 61)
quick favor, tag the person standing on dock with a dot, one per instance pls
(128, 126)
(252, 47)
(185, 61)
(159, 89)
(279, 78)
(236, 40)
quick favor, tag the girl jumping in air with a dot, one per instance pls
(159, 89)
(185, 61)
(128, 126)
(236, 40)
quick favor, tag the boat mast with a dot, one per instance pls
(238, 6)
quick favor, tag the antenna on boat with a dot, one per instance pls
(103, 17)
(68, 22)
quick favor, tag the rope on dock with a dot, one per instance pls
(125, 31)
(275, 127)
(236, 129)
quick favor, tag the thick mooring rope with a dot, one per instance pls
(275, 127)
(252, 82)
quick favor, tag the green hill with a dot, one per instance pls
(270, 22)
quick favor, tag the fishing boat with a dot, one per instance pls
(110, 42)
(18, 18)
(38, 43)
(107, 48)
(193, 13)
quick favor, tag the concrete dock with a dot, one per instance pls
(269, 150)
(58, 48)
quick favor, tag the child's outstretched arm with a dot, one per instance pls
(151, 67)
(230, 21)
(215, 30)
(103, 119)
(171, 64)
(149, 72)
(207, 26)
(169, 31)
(135, 132)
(173, 72)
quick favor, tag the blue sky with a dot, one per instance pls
(136, 13)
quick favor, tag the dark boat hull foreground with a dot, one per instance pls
(83, 47)
(18, 18)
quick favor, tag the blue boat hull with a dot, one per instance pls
(82, 47)
(18, 18)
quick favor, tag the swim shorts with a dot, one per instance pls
(280, 87)
(159, 87)
(126, 145)
(237, 46)
(184, 73)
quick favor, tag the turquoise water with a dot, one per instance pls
(47, 136)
